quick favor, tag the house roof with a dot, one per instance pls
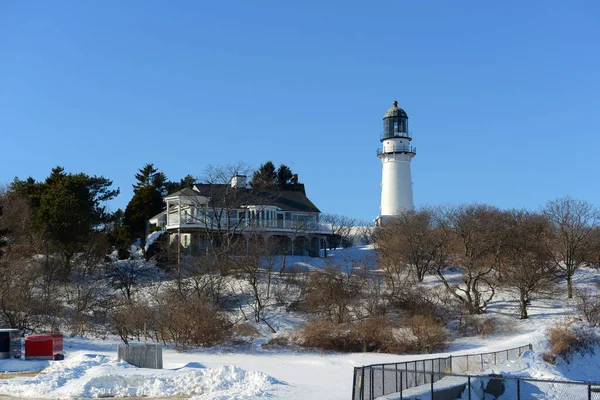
(159, 215)
(226, 196)
(184, 192)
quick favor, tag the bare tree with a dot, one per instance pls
(341, 230)
(333, 293)
(526, 264)
(124, 275)
(594, 254)
(86, 289)
(574, 222)
(416, 242)
(478, 233)
(408, 240)
(15, 220)
(21, 274)
(215, 208)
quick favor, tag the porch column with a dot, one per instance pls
(179, 210)
(167, 212)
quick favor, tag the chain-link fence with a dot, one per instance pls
(483, 361)
(445, 386)
(383, 379)
(377, 380)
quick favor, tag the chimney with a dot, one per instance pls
(238, 181)
(295, 179)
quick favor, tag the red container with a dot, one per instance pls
(58, 344)
(43, 347)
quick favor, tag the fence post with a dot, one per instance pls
(451, 369)
(482, 362)
(396, 368)
(495, 361)
(432, 386)
(518, 389)
(362, 384)
(469, 385)
(383, 379)
(372, 391)
(589, 391)
(401, 384)
(467, 361)
(354, 384)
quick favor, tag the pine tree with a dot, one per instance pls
(187, 182)
(68, 208)
(147, 176)
(284, 176)
(146, 203)
(265, 177)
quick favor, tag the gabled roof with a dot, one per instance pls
(224, 195)
(184, 192)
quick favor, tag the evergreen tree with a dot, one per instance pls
(67, 208)
(119, 236)
(150, 176)
(173, 186)
(146, 203)
(284, 176)
(265, 177)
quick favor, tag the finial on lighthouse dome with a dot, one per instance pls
(395, 111)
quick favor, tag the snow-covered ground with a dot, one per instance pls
(90, 368)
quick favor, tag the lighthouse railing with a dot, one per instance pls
(397, 149)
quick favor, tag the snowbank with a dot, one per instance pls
(94, 375)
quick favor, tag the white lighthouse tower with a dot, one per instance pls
(395, 156)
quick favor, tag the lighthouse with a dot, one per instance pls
(395, 155)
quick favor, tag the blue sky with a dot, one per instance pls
(503, 97)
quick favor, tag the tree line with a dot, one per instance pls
(525, 252)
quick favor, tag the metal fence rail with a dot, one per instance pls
(372, 381)
(482, 361)
(440, 385)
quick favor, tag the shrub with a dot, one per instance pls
(331, 294)
(566, 339)
(278, 342)
(589, 306)
(377, 334)
(245, 330)
(473, 325)
(184, 322)
(192, 322)
(327, 335)
(429, 333)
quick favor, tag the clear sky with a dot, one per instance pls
(503, 97)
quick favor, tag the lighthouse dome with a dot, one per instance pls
(395, 111)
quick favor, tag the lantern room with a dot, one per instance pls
(395, 123)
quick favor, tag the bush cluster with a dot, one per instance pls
(567, 339)
(418, 334)
(185, 322)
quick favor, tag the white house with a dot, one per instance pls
(198, 216)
